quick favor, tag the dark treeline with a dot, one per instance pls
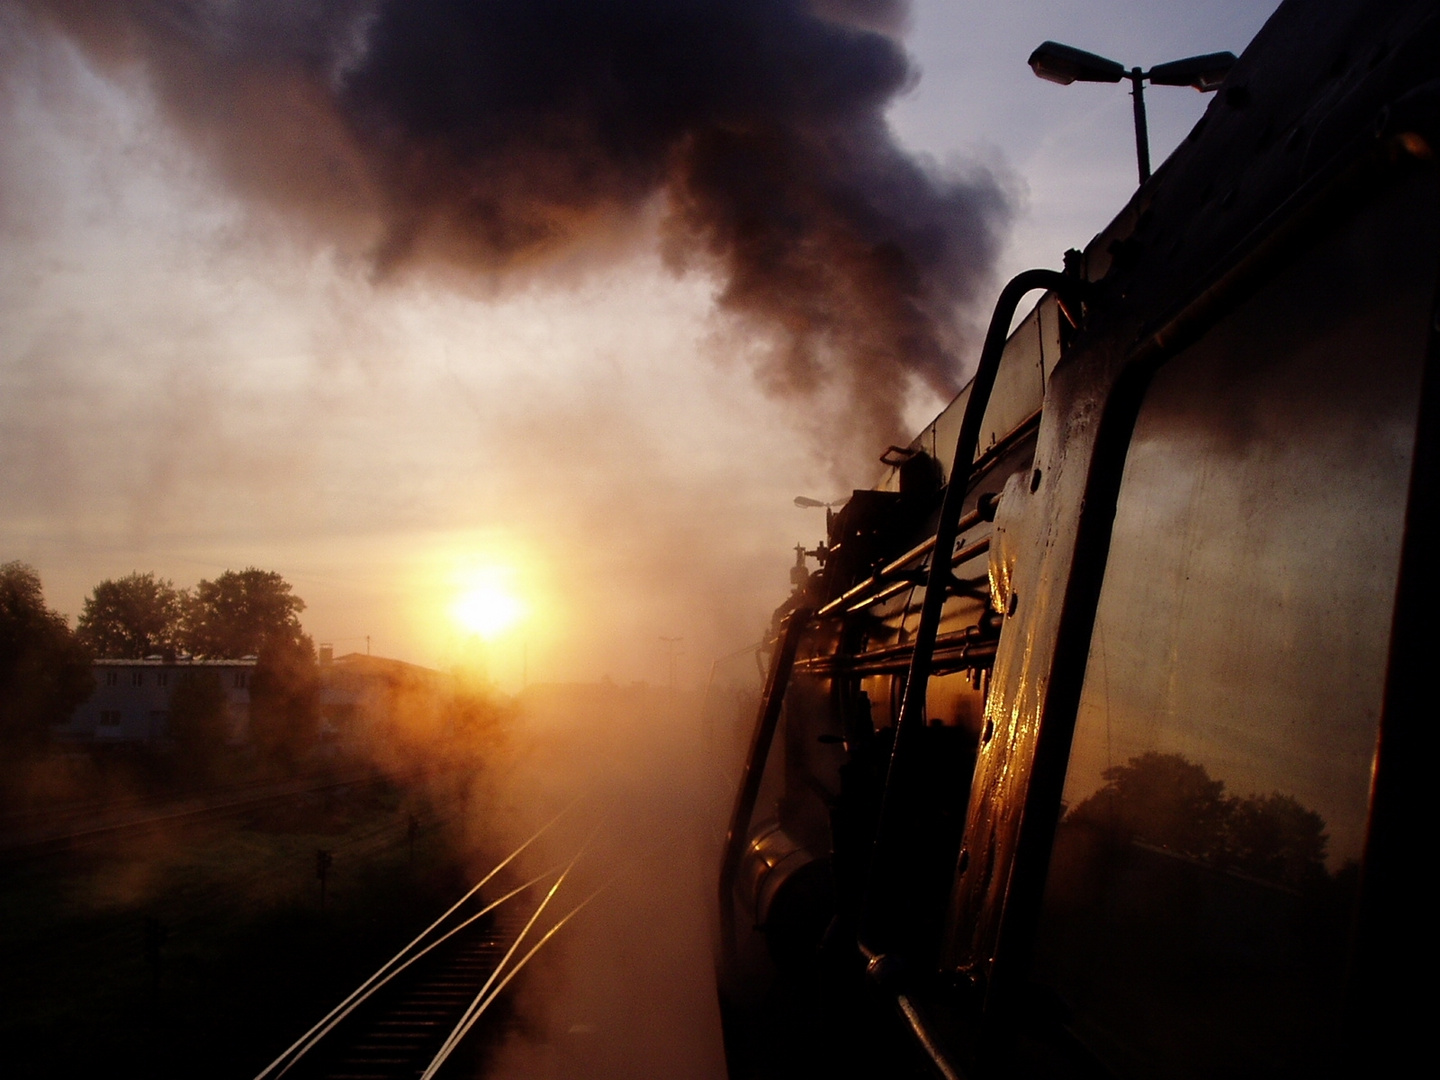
(244, 613)
(46, 674)
(45, 666)
(240, 613)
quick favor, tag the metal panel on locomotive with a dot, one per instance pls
(1093, 744)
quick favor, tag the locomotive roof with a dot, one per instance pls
(1305, 98)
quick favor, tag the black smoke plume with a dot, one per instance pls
(506, 135)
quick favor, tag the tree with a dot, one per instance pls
(197, 716)
(44, 670)
(239, 613)
(1172, 802)
(285, 699)
(132, 617)
(1277, 838)
(1161, 799)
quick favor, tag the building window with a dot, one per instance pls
(239, 680)
(162, 678)
(137, 678)
(109, 717)
(112, 678)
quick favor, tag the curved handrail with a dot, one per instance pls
(773, 698)
(912, 709)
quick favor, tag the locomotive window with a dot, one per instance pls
(1206, 863)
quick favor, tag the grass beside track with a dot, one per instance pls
(249, 959)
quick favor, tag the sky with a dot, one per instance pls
(190, 383)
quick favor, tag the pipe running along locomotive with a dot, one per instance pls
(1095, 745)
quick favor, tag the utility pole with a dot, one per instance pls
(672, 642)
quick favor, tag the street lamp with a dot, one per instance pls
(804, 502)
(1064, 64)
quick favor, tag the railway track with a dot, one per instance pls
(37, 838)
(426, 1003)
(400, 1031)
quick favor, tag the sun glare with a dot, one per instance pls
(483, 600)
(488, 607)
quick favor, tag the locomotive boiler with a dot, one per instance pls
(1094, 744)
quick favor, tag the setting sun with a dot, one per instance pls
(488, 607)
(484, 601)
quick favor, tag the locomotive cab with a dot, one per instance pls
(1094, 748)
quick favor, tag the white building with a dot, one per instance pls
(361, 698)
(131, 702)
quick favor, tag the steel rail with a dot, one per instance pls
(14, 848)
(947, 661)
(12, 821)
(472, 1011)
(969, 521)
(464, 1028)
(962, 556)
(951, 653)
(364, 997)
(286, 1054)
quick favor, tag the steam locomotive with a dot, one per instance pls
(1097, 744)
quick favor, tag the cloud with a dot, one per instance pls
(506, 139)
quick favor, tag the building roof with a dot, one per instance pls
(179, 661)
(381, 665)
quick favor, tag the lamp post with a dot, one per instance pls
(804, 502)
(1064, 64)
